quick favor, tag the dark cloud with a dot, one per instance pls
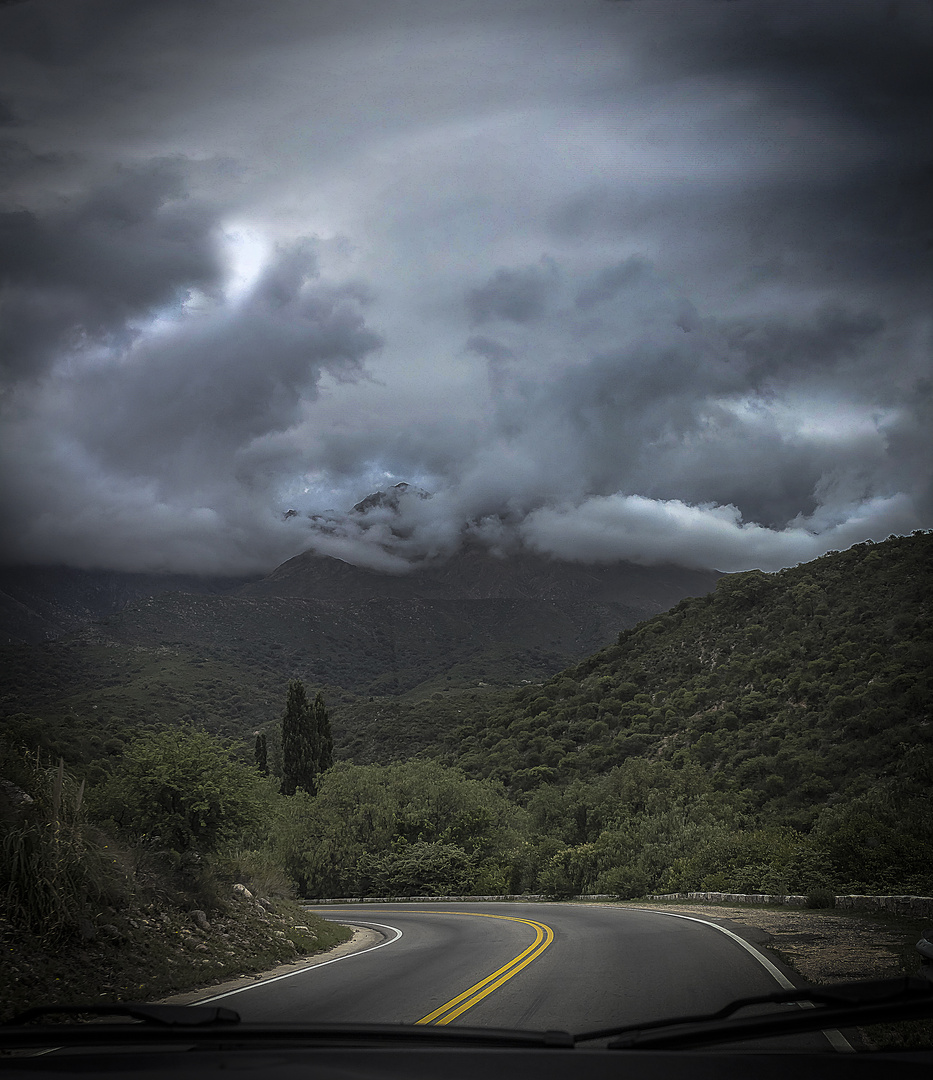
(737, 429)
(608, 283)
(201, 394)
(58, 36)
(863, 60)
(173, 434)
(819, 342)
(518, 295)
(633, 280)
(830, 107)
(80, 274)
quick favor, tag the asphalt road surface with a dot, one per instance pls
(534, 966)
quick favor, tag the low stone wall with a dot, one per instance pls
(419, 899)
(899, 905)
(525, 897)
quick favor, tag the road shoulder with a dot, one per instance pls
(363, 938)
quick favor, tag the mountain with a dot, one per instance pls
(39, 603)
(771, 736)
(390, 499)
(799, 690)
(475, 574)
(378, 644)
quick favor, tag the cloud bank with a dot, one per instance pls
(642, 281)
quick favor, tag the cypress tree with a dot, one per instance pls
(298, 750)
(307, 742)
(323, 736)
(261, 754)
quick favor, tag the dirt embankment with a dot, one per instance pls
(145, 953)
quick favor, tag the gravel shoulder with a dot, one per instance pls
(822, 946)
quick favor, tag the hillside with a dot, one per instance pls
(800, 689)
(40, 603)
(475, 574)
(379, 645)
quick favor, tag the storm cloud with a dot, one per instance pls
(642, 280)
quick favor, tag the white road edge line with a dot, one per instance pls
(836, 1039)
(311, 967)
(287, 975)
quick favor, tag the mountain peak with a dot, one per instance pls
(389, 499)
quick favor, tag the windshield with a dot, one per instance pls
(464, 543)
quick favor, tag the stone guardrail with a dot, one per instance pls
(899, 905)
(525, 897)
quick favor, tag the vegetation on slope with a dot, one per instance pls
(799, 700)
(222, 664)
(126, 891)
(378, 645)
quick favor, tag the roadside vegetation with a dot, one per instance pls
(153, 882)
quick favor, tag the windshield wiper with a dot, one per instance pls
(839, 1005)
(191, 1025)
(184, 1016)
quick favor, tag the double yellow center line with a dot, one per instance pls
(544, 935)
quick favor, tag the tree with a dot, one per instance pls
(323, 736)
(261, 754)
(297, 735)
(419, 869)
(365, 816)
(307, 743)
(183, 788)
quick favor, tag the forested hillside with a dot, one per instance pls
(795, 686)
(381, 645)
(798, 700)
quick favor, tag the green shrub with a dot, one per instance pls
(418, 869)
(182, 790)
(821, 898)
(260, 869)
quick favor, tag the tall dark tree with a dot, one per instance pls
(323, 736)
(307, 743)
(299, 753)
(261, 754)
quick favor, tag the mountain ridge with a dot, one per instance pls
(40, 603)
(475, 574)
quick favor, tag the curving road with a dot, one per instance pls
(536, 966)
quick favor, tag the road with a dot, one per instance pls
(538, 966)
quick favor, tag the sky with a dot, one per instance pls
(641, 280)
